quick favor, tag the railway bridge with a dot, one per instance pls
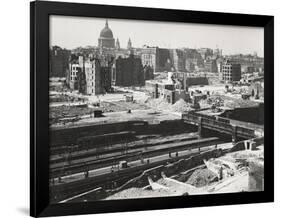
(224, 125)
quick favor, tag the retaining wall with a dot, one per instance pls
(239, 146)
(70, 135)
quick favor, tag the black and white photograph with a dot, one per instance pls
(141, 108)
(147, 109)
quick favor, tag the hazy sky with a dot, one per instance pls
(71, 32)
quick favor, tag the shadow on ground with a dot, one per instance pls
(23, 210)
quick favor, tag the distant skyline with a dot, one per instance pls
(72, 32)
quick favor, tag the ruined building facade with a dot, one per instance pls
(231, 71)
(93, 77)
(90, 75)
(178, 59)
(128, 72)
(156, 58)
(58, 61)
(211, 66)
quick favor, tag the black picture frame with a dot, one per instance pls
(39, 107)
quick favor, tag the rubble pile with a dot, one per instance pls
(158, 104)
(181, 106)
(214, 101)
(138, 193)
(238, 171)
(161, 104)
(64, 98)
(231, 102)
(248, 154)
(68, 111)
(202, 177)
(120, 106)
(217, 100)
(213, 80)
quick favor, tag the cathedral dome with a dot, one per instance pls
(106, 32)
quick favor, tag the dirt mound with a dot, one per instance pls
(202, 177)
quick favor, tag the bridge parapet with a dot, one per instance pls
(219, 124)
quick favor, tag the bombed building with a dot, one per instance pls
(58, 61)
(89, 75)
(231, 71)
(128, 72)
(156, 58)
(170, 89)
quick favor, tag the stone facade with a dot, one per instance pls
(149, 57)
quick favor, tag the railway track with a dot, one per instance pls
(82, 165)
(96, 141)
(106, 182)
(121, 148)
